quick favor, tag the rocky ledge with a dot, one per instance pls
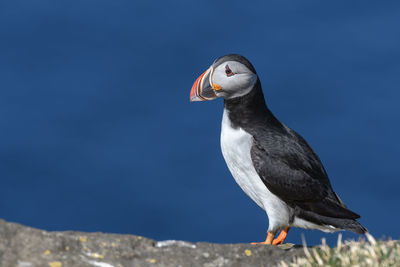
(23, 246)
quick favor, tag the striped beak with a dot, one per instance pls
(202, 89)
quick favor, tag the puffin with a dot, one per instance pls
(272, 163)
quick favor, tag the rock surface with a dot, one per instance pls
(23, 246)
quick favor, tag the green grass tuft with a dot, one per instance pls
(350, 253)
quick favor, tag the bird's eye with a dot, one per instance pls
(228, 71)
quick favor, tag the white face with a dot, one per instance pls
(234, 78)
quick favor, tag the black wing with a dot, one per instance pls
(291, 170)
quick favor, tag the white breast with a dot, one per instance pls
(236, 145)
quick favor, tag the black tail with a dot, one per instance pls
(328, 208)
(340, 223)
(356, 227)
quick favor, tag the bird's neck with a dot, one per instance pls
(250, 110)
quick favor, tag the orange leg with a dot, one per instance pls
(281, 237)
(268, 241)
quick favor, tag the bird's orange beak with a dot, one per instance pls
(202, 88)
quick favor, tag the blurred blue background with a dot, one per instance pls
(97, 132)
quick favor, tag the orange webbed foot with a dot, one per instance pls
(282, 236)
(270, 238)
(268, 241)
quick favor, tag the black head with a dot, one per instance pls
(235, 57)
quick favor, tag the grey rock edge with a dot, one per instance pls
(23, 246)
